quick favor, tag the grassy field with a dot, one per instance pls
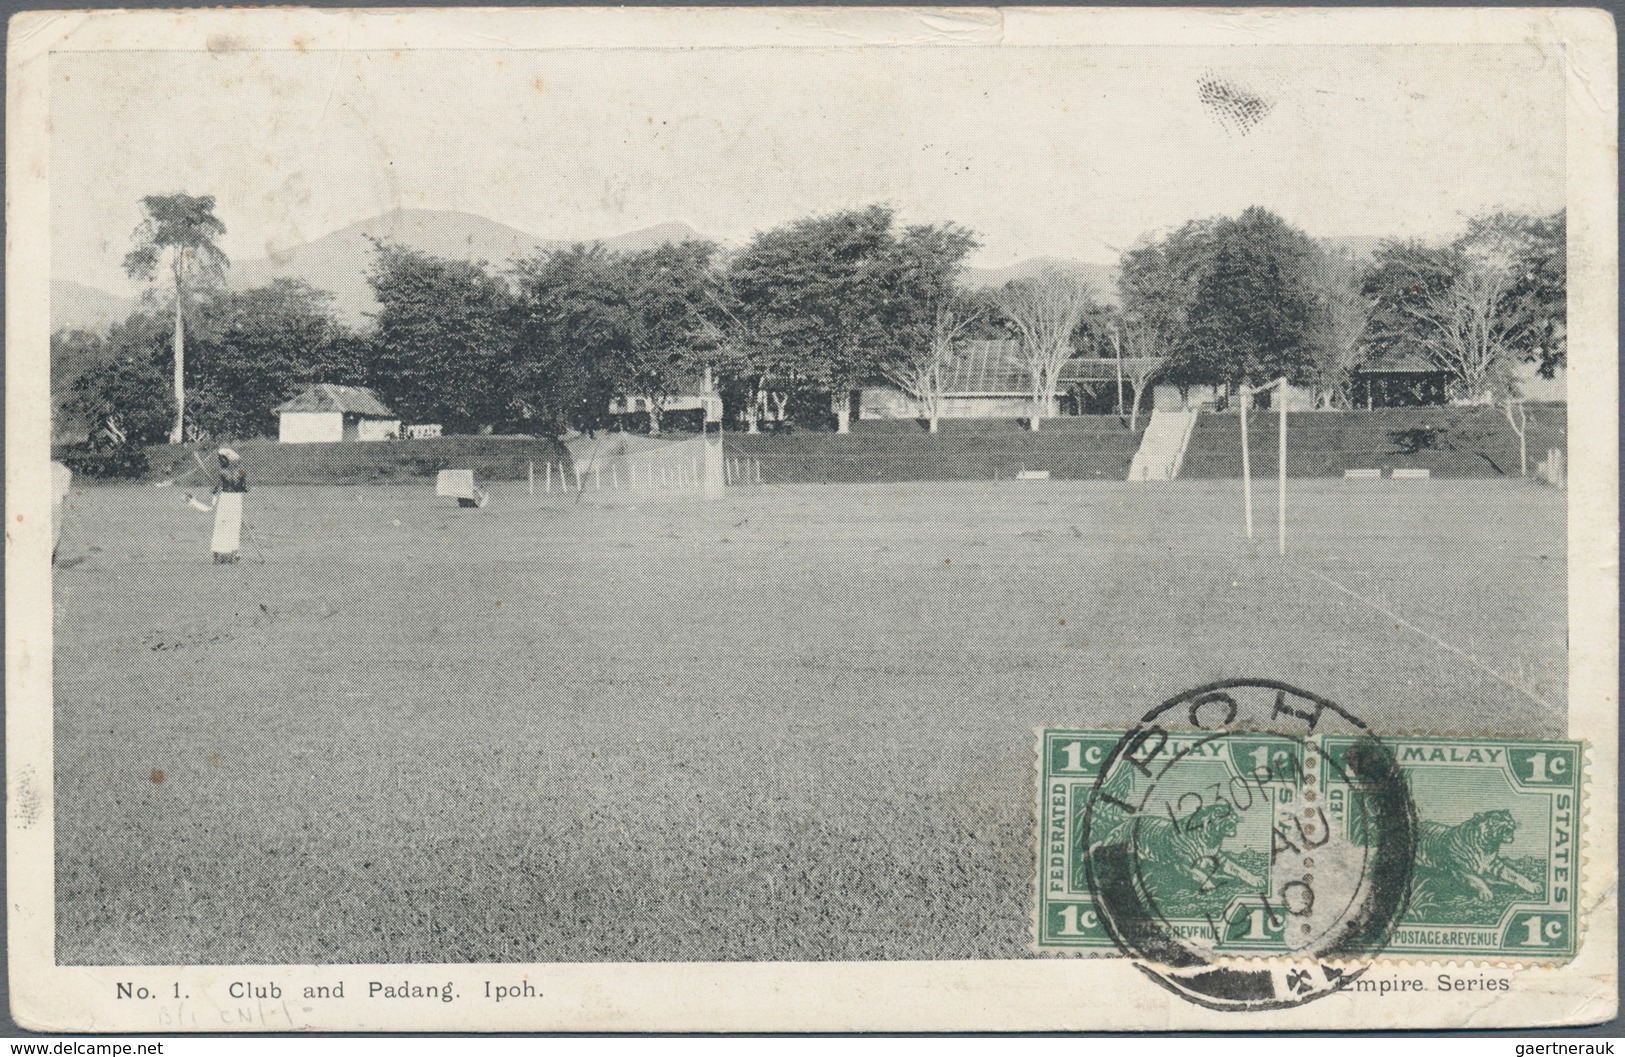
(795, 724)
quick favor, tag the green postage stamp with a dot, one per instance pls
(1224, 833)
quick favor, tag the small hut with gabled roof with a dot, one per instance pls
(336, 413)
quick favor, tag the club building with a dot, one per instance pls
(990, 379)
(333, 413)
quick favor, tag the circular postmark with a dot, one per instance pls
(1220, 830)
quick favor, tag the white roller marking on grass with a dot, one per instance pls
(1429, 636)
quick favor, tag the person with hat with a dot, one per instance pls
(228, 508)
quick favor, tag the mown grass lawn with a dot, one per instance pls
(795, 724)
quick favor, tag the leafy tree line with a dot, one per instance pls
(819, 306)
(1251, 299)
(797, 319)
(245, 353)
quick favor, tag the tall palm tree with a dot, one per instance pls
(179, 230)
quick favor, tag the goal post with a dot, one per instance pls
(1278, 387)
(714, 471)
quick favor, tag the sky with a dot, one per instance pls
(1071, 152)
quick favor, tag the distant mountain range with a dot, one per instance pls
(1101, 277)
(75, 306)
(338, 262)
(1360, 247)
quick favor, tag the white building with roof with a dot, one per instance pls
(991, 379)
(333, 413)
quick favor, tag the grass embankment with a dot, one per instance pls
(1448, 441)
(1085, 448)
(272, 463)
(1451, 442)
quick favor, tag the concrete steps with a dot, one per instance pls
(1162, 448)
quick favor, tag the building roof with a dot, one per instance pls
(1104, 368)
(996, 368)
(345, 399)
(1407, 362)
(985, 368)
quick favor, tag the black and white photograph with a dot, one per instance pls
(744, 519)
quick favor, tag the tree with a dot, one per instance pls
(922, 373)
(1403, 274)
(1142, 367)
(442, 338)
(73, 353)
(1342, 316)
(742, 368)
(1157, 283)
(1096, 337)
(1531, 253)
(1518, 419)
(179, 230)
(932, 312)
(1252, 316)
(572, 336)
(255, 349)
(1044, 310)
(1492, 298)
(1540, 293)
(344, 358)
(827, 303)
(124, 387)
(669, 297)
(1466, 330)
(1137, 343)
(749, 361)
